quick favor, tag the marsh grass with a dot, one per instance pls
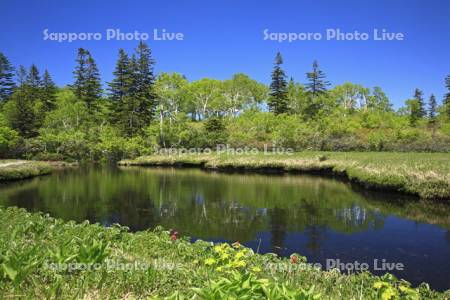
(22, 169)
(426, 175)
(29, 243)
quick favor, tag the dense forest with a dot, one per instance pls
(139, 112)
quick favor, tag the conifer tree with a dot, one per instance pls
(447, 97)
(317, 84)
(119, 87)
(87, 86)
(418, 95)
(23, 116)
(432, 108)
(7, 84)
(278, 100)
(120, 91)
(48, 93)
(21, 75)
(144, 80)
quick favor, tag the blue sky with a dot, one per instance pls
(224, 37)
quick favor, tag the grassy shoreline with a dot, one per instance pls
(23, 169)
(32, 244)
(426, 175)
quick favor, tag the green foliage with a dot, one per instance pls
(40, 257)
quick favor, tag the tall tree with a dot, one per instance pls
(278, 100)
(144, 81)
(317, 84)
(48, 93)
(22, 114)
(447, 97)
(7, 84)
(21, 75)
(87, 86)
(418, 95)
(119, 87)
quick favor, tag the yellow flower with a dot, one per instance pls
(239, 263)
(224, 256)
(240, 254)
(256, 269)
(219, 269)
(210, 261)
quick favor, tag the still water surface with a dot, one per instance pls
(320, 218)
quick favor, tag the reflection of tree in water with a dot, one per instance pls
(213, 205)
(315, 230)
(277, 228)
(316, 235)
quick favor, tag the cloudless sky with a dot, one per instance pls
(223, 37)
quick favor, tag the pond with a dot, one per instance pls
(325, 219)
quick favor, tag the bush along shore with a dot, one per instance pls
(43, 257)
(426, 175)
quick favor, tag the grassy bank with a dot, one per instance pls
(22, 169)
(42, 257)
(423, 174)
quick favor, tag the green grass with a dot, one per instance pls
(31, 246)
(22, 169)
(423, 174)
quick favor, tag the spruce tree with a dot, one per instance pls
(447, 97)
(418, 95)
(80, 74)
(432, 108)
(87, 86)
(23, 116)
(120, 85)
(144, 80)
(48, 94)
(317, 84)
(7, 84)
(21, 75)
(120, 90)
(278, 100)
(93, 90)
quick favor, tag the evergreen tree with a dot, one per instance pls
(120, 85)
(120, 91)
(87, 86)
(144, 80)
(48, 93)
(7, 84)
(93, 91)
(317, 85)
(22, 117)
(21, 75)
(80, 74)
(447, 97)
(278, 100)
(418, 95)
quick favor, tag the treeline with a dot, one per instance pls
(138, 112)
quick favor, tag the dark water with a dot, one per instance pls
(320, 218)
